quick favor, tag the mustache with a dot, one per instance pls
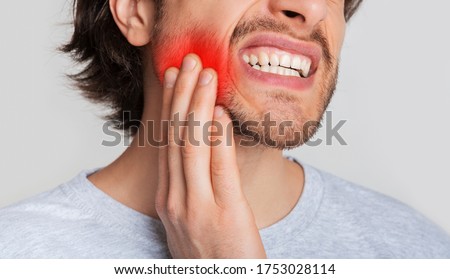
(267, 24)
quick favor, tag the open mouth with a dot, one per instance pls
(281, 60)
(270, 60)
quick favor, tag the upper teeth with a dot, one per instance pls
(267, 62)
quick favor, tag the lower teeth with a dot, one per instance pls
(282, 71)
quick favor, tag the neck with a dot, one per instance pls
(271, 183)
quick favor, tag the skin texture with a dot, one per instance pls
(213, 199)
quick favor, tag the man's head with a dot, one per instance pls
(277, 60)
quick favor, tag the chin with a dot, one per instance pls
(274, 120)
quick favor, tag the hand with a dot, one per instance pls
(199, 197)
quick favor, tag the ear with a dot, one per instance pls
(135, 19)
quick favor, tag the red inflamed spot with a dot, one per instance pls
(170, 51)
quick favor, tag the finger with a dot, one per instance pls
(197, 150)
(224, 168)
(170, 78)
(184, 87)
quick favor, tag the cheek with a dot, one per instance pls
(169, 51)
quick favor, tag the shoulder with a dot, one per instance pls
(382, 221)
(35, 222)
(47, 205)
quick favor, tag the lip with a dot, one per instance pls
(272, 40)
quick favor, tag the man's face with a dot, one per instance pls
(277, 60)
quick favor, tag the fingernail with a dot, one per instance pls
(189, 64)
(170, 78)
(218, 111)
(205, 78)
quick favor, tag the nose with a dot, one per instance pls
(300, 14)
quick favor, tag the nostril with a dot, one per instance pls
(290, 14)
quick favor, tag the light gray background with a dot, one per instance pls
(393, 91)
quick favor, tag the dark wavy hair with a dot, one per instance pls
(112, 68)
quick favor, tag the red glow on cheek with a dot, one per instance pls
(170, 51)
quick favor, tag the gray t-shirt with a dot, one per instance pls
(333, 219)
